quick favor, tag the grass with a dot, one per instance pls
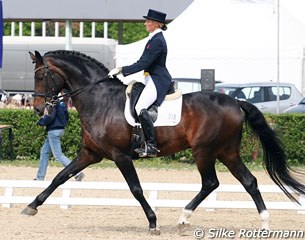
(151, 163)
(155, 163)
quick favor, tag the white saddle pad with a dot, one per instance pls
(169, 113)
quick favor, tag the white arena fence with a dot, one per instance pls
(66, 200)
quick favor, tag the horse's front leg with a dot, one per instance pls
(78, 164)
(128, 170)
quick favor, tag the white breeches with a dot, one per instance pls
(148, 95)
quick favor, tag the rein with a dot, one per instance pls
(54, 96)
(79, 90)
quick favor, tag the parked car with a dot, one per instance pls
(300, 108)
(263, 94)
(3, 95)
(188, 85)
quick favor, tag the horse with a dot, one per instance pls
(211, 126)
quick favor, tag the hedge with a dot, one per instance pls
(28, 137)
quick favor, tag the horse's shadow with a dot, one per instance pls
(118, 230)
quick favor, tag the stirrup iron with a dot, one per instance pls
(143, 151)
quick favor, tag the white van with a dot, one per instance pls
(17, 71)
(263, 94)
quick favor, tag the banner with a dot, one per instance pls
(1, 34)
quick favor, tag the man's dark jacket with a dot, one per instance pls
(58, 118)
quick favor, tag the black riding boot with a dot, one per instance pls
(150, 146)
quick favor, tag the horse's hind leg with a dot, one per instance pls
(245, 177)
(206, 167)
(128, 170)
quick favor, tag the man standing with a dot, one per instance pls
(55, 119)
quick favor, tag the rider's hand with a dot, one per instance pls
(114, 72)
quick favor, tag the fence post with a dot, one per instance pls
(212, 198)
(8, 193)
(66, 193)
(302, 202)
(153, 196)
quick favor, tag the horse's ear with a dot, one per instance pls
(37, 58)
(32, 57)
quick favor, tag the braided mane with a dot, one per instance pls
(78, 54)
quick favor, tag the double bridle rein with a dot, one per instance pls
(52, 95)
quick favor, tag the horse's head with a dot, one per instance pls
(48, 82)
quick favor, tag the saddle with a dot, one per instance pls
(133, 92)
(170, 111)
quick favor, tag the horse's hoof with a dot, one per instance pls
(154, 231)
(29, 211)
(182, 228)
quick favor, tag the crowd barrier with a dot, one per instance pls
(152, 190)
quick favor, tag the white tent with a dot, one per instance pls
(237, 38)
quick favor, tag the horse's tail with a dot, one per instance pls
(274, 155)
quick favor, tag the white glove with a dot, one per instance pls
(114, 72)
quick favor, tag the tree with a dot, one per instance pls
(132, 31)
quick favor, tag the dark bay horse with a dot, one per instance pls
(211, 125)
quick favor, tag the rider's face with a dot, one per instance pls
(151, 25)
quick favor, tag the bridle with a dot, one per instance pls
(52, 94)
(47, 94)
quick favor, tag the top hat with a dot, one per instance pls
(155, 16)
